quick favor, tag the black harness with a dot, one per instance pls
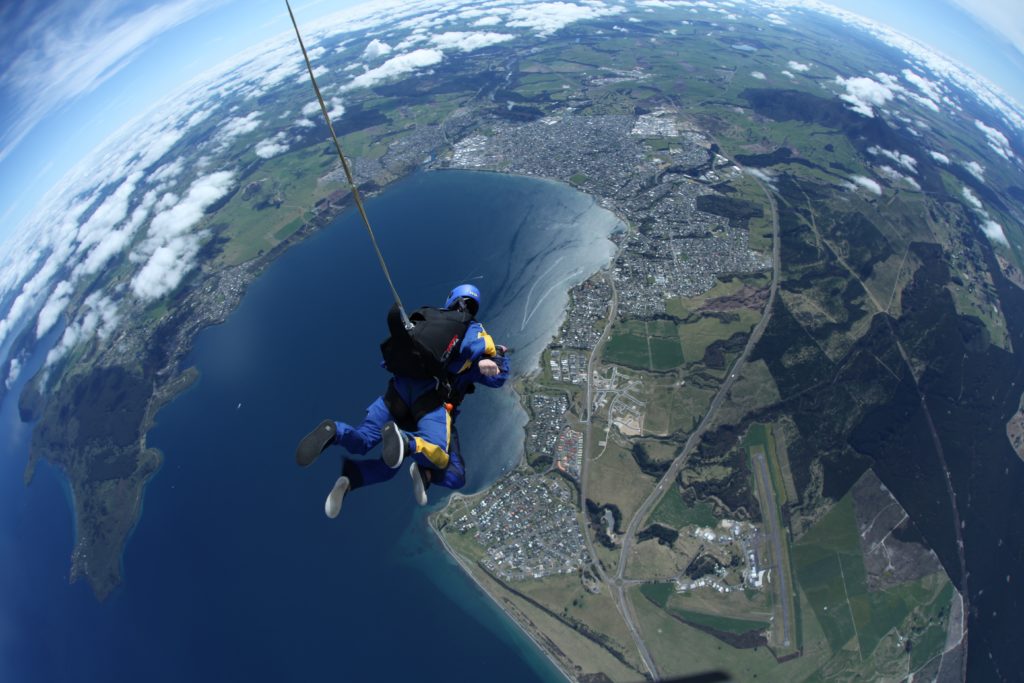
(423, 353)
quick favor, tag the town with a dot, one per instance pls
(527, 525)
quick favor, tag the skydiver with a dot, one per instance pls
(433, 367)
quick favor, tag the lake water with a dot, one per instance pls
(234, 572)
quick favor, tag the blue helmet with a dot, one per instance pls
(469, 292)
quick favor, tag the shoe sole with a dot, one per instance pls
(314, 443)
(332, 506)
(392, 448)
(419, 491)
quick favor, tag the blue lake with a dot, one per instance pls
(234, 572)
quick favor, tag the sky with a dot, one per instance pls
(72, 72)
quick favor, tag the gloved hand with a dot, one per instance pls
(488, 368)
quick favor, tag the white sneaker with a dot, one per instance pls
(332, 506)
(392, 445)
(419, 485)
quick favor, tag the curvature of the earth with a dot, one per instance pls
(892, 331)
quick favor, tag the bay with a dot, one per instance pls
(233, 571)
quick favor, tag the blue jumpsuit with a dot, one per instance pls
(433, 445)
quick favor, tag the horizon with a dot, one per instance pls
(45, 189)
(100, 85)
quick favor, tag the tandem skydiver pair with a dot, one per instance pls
(436, 357)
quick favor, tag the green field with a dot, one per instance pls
(830, 569)
(676, 409)
(683, 307)
(727, 624)
(672, 511)
(658, 593)
(696, 336)
(831, 572)
(645, 345)
(616, 478)
(259, 219)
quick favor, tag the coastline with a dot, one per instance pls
(468, 570)
(172, 380)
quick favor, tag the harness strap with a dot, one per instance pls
(408, 417)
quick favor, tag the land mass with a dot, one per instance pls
(731, 454)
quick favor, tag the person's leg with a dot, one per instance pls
(366, 472)
(357, 440)
(424, 473)
(430, 442)
(360, 439)
(453, 476)
(355, 474)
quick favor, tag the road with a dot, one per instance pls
(615, 585)
(624, 604)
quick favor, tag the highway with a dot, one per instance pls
(625, 606)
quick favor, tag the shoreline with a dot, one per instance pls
(177, 380)
(467, 570)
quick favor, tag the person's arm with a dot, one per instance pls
(483, 362)
(493, 371)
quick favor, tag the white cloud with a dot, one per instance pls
(66, 49)
(112, 211)
(867, 184)
(491, 20)
(412, 39)
(892, 174)
(927, 59)
(758, 75)
(972, 199)
(976, 170)
(239, 125)
(168, 171)
(797, 66)
(905, 160)
(467, 42)
(335, 109)
(994, 232)
(996, 140)
(54, 306)
(396, 66)
(311, 108)
(98, 316)
(272, 146)
(376, 48)
(760, 175)
(13, 373)
(115, 241)
(862, 92)
(171, 250)
(546, 18)
(788, 73)
(34, 289)
(318, 71)
(928, 88)
(939, 156)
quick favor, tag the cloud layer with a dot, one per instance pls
(139, 200)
